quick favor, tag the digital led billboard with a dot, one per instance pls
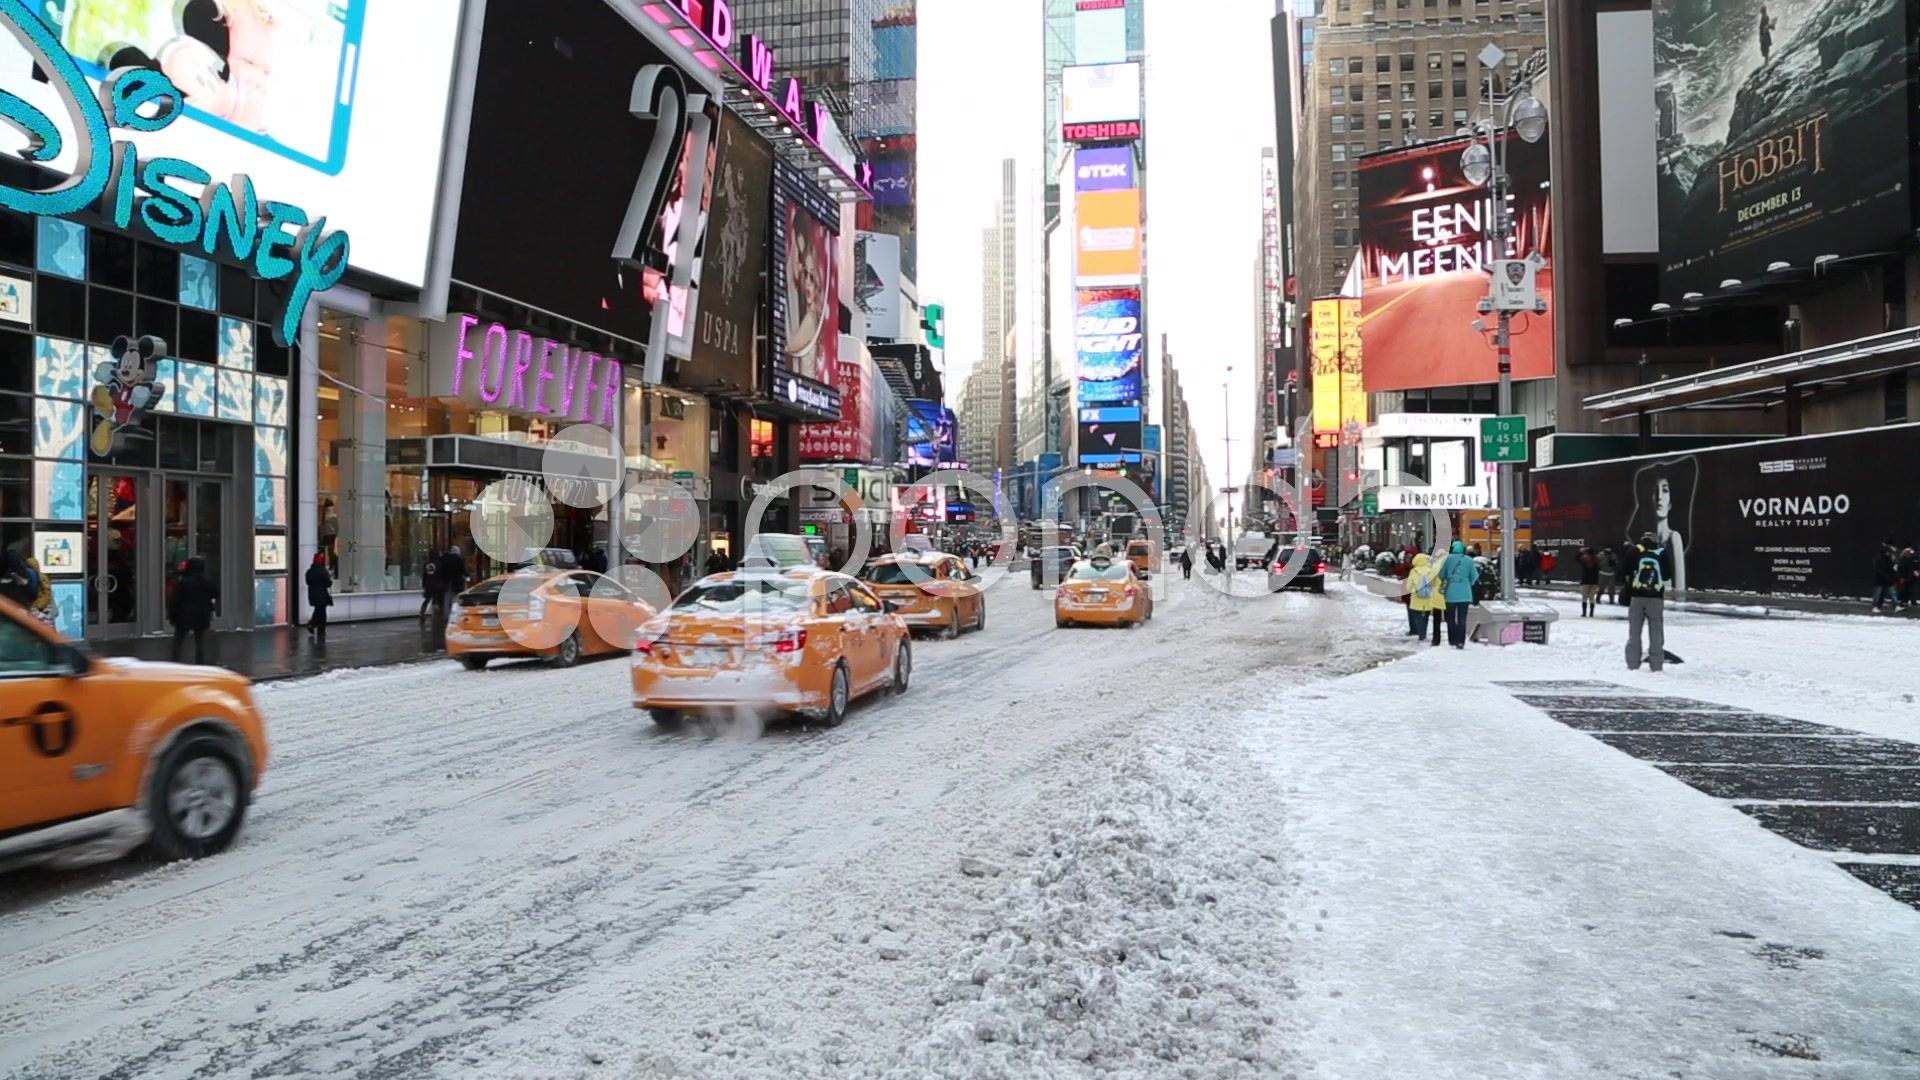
(1110, 345)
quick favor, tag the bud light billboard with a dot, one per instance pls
(1108, 341)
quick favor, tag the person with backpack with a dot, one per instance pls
(1646, 595)
(1458, 575)
(1426, 596)
(1589, 582)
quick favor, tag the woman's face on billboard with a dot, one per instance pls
(1663, 497)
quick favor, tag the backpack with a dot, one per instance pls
(1424, 590)
(1648, 577)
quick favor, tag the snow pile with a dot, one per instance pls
(1146, 941)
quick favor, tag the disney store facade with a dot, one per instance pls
(159, 253)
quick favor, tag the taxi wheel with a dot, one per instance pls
(568, 654)
(1062, 623)
(196, 799)
(953, 624)
(980, 617)
(473, 663)
(902, 668)
(838, 695)
(667, 719)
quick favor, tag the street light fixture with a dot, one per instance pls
(1476, 163)
(1529, 116)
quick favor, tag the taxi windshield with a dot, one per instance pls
(1087, 571)
(745, 596)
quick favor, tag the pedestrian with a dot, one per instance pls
(1609, 574)
(1589, 582)
(1646, 593)
(1458, 575)
(1907, 569)
(430, 594)
(1885, 577)
(195, 600)
(716, 562)
(320, 595)
(453, 570)
(1186, 563)
(596, 560)
(18, 581)
(1527, 565)
(1426, 596)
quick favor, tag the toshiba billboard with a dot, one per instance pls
(1425, 256)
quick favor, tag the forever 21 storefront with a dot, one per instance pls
(151, 409)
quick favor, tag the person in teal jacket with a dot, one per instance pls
(1459, 573)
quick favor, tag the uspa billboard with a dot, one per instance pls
(337, 108)
(1100, 93)
(1106, 238)
(1790, 516)
(732, 259)
(1783, 134)
(1110, 346)
(1424, 260)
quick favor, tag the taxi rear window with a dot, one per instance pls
(1086, 571)
(895, 574)
(1139, 549)
(748, 597)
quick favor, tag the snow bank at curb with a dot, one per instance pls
(1145, 942)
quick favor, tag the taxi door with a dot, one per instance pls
(56, 750)
(871, 615)
(613, 613)
(966, 591)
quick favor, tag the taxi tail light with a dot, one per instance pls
(1060, 593)
(785, 641)
(1132, 592)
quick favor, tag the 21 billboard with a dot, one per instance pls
(1110, 345)
(1424, 260)
(1774, 119)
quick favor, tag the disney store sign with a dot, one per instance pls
(275, 241)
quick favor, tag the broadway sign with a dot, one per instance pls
(1791, 516)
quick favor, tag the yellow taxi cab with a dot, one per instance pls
(932, 590)
(1102, 591)
(796, 640)
(537, 611)
(99, 756)
(1140, 554)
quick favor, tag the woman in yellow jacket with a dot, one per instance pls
(1426, 597)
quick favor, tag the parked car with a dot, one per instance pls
(100, 756)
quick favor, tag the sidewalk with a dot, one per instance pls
(283, 652)
(1735, 603)
(1531, 861)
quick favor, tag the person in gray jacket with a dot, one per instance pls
(1648, 576)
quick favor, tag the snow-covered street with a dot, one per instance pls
(1235, 841)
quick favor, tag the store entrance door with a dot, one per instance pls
(141, 527)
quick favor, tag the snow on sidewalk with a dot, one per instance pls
(1485, 892)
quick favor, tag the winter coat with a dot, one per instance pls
(430, 577)
(1589, 570)
(453, 571)
(596, 561)
(1609, 562)
(195, 598)
(1460, 575)
(1426, 573)
(1186, 558)
(319, 586)
(1883, 575)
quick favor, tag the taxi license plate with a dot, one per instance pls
(490, 621)
(1096, 594)
(709, 657)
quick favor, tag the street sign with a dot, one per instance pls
(1503, 439)
(1230, 491)
(1370, 504)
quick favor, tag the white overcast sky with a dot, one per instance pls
(1209, 113)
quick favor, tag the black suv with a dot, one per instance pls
(1312, 573)
(1049, 565)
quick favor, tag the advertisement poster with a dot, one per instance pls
(732, 259)
(851, 437)
(813, 297)
(1782, 134)
(336, 107)
(1096, 93)
(932, 435)
(1109, 435)
(1110, 345)
(1325, 348)
(1353, 391)
(1791, 516)
(1103, 168)
(558, 253)
(1106, 238)
(1425, 259)
(876, 282)
(892, 182)
(683, 300)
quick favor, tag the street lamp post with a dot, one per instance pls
(1485, 163)
(1226, 418)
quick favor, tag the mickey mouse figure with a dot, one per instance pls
(126, 391)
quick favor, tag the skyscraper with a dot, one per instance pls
(998, 301)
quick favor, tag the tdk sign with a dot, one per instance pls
(1103, 168)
